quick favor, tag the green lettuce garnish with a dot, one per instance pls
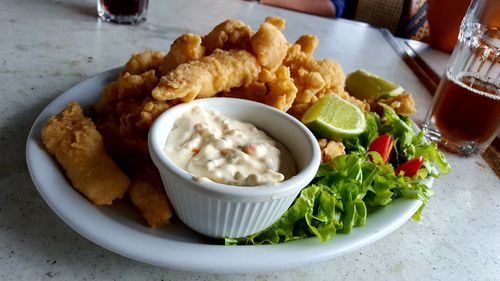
(343, 191)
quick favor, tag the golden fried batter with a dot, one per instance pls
(308, 43)
(127, 86)
(231, 61)
(278, 22)
(229, 34)
(73, 139)
(330, 150)
(152, 201)
(185, 48)
(282, 91)
(146, 191)
(209, 75)
(255, 91)
(145, 61)
(269, 46)
(330, 71)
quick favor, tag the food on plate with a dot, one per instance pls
(307, 43)
(335, 118)
(73, 139)
(346, 189)
(282, 90)
(402, 104)
(146, 190)
(229, 34)
(127, 87)
(143, 62)
(232, 60)
(330, 149)
(371, 88)
(383, 145)
(185, 48)
(152, 201)
(313, 79)
(214, 147)
(410, 167)
(203, 78)
(269, 46)
(368, 86)
(277, 22)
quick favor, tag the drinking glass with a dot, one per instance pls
(465, 115)
(122, 11)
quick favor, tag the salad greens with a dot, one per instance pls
(343, 191)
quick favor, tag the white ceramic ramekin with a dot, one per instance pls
(219, 210)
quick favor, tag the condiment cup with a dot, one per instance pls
(220, 210)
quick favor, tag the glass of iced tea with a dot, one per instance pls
(465, 115)
(122, 11)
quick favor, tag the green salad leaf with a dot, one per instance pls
(343, 191)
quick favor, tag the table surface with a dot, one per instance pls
(48, 46)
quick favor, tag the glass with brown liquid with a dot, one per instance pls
(465, 114)
(122, 11)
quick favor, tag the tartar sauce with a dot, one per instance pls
(213, 147)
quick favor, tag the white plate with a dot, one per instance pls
(120, 228)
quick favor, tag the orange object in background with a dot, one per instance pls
(444, 18)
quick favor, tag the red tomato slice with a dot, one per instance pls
(383, 145)
(410, 167)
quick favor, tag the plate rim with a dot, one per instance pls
(182, 255)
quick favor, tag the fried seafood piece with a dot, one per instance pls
(185, 48)
(282, 90)
(269, 46)
(145, 61)
(116, 144)
(303, 66)
(127, 86)
(150, 110)
(278, 22)
(307, 43)
(313, 79)
(330, 150)
(125, 131)
(229, 34)
(73, 139)
(255, 91)
(402, 104)
(146, 191)
(209, 75)
(152, 202)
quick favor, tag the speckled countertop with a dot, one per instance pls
(48, 46)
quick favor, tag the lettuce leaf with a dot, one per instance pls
(343, 191)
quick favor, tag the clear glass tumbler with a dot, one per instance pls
(465, 115)
(122, 11)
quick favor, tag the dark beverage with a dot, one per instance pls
(122, 11)
(466, 112)
(124, 7)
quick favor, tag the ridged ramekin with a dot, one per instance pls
(220, 210)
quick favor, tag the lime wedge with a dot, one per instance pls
(334, 118)
(365, 85)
